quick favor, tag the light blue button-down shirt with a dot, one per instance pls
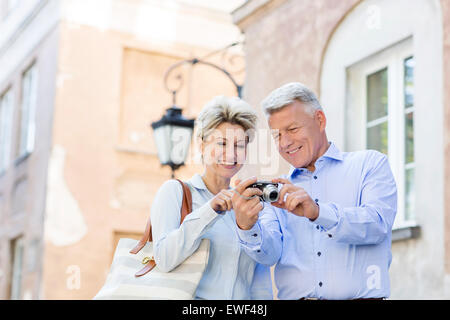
(346, 252)
(230, 273)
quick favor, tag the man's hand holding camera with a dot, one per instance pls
(297, 201)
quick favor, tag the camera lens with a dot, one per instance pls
(273, 196)
(270, 193)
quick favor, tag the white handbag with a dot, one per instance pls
(149, 283)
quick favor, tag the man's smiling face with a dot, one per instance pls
(298, 133)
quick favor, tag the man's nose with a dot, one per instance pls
(285, 142)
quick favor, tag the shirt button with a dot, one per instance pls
(317, 227)
(258, 251)
(317, 200)
(315, 177)
(329, 236)
(319, 253)
(255, 235)
(320, 284)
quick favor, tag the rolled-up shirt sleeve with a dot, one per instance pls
(372, 220)
(172, 242)
(263, 242)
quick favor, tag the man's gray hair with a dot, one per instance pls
(288, 94)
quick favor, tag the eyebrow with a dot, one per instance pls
(288, 127)
(223, 138)
(297, 125)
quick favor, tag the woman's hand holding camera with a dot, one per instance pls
(222, 201)
(246, 203)
(297, 201)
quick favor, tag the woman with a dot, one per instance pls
(223, 128)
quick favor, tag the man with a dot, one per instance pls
(329, 234)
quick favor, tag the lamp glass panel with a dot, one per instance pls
(181, 139)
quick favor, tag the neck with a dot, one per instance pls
(323, 148)
(215, 183)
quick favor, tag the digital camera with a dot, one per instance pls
(269, 190)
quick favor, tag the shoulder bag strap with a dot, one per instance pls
(186, 208)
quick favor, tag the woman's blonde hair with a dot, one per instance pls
(223, 109)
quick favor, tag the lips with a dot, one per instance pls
(228, 165)
(292, 152)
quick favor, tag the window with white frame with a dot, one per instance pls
(380, 112)
(27, 123)
(6, 112)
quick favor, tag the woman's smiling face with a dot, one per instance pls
(298, 133)
(225, 149)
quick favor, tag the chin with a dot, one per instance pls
(297, 163)
(228, 173)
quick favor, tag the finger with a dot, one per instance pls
(226, 200)
(237, 182)
(217, 206)
(229, 204)
(276, 204)
(250, 204)
(250, 192)
(247, 195)
(256, 210)
(281, 180)
(288, 188)
(244, 184)
(293, 202)
(228, 193)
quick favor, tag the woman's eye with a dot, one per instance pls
(240, 146)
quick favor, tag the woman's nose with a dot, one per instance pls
(230, 154)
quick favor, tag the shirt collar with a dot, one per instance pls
(332, 152)
(197, 182)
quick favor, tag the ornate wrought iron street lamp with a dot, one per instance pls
(173, 132)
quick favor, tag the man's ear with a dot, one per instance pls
(321, 119)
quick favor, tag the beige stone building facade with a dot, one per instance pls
(79, 165)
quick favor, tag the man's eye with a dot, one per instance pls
(294, 129)
(240, 146)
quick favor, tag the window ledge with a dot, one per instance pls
(405, 233)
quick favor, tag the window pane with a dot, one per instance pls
(409, 82)
(16, 260)
(5, 128)
(409, 194)
(377, 137)
(27, 112)
(377, 95)
(409, 137)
